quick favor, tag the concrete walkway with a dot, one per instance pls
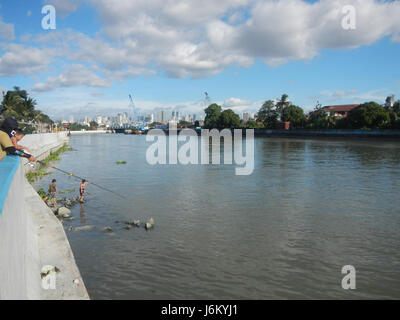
(54, 250)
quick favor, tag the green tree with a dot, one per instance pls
(369, 115)
(213, 113)
(93, 125)
(396, 107)
(320, 119)
(268, 114)
(295, 115)
(17, 104)
(229, 119)
(252, 124)
(395, 115)
(282, 104)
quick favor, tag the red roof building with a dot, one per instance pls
(342, 110)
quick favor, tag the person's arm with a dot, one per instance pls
(17, 146)
(16, 152)
(14, 142)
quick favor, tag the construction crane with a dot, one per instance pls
(207, 100)
(132, 105)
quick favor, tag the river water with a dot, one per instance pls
(285, 232)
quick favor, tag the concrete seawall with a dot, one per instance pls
(88, 132)
(31, 237)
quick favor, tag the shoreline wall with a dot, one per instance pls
(329, 133)
(89, 132)
(31, 236)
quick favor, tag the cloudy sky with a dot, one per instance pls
(167, 53)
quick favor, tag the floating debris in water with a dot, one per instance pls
(121, 162)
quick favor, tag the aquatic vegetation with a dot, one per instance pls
(121, 162)
(31, 176)
(40, 172)
(41, 193)
(66, 191)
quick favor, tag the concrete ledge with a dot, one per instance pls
(31, 237)
(42, 144)
(88, 132)
(54, 249)
(9, 166)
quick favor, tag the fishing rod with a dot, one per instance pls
(80, 178)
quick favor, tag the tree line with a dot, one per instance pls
(369, 115)
(19, 105)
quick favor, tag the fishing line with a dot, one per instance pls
(80, 178)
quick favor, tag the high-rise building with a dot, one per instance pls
(162, 116)
(246, 116)
(71, 119)
(99, 119)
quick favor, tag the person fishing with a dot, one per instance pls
(82, 190)
(7, 131)
(84, 182)
(18, 135)
(53, 191)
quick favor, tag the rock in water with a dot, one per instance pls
(83, 228)
(108, 230)
(136, 223)
(149, 224)
(64, 212)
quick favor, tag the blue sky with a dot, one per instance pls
(167, 54)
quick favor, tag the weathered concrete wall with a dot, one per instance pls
(31, 237)
(42, 144)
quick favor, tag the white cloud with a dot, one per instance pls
(6, 31)
(64, 7)
(191, 38)
(3, 89)
(351, 96)
(76, 75)
(19, 59)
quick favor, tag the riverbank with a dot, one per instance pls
(329, 133)
(31, 236)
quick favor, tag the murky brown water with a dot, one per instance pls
(286, 231)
